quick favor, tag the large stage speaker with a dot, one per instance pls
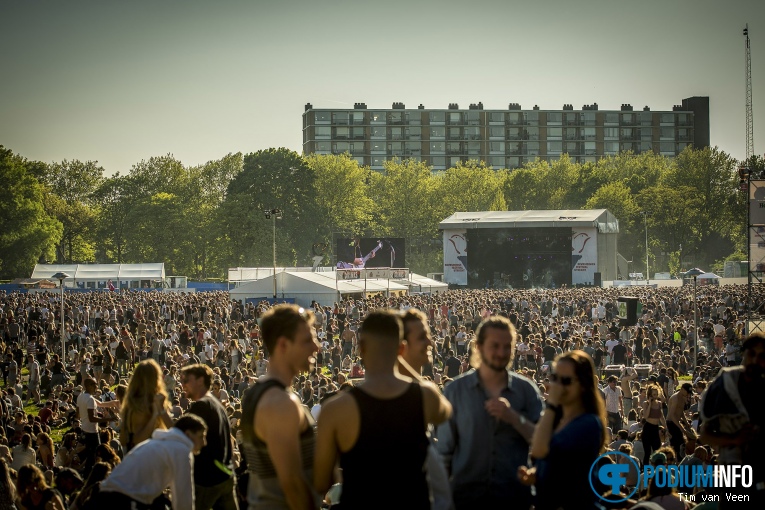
(598, 280)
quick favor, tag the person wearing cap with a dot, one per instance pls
(677, 424)
(733, 417)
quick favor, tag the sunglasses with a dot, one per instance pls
(565, 381)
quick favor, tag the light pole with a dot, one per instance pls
(61, 277)
(274, 214)
(647, 273)
(695, 272)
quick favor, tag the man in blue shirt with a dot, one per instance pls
(488, 436)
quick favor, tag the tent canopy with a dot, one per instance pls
(707, 276)
(102, 272)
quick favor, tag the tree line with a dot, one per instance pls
(201, 220)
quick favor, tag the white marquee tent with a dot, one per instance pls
(305, 287)
(96, 276)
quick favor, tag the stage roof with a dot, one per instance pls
(116, 272)
(602, 219)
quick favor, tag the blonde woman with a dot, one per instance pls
(145, 407)
(45, 450)
(654, 418)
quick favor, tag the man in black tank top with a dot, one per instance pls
(378, 429)
(278, 432)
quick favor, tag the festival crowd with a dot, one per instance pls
(468, 399)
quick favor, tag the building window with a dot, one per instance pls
(378, 117)
(514, 133)
(588, 118)
(497, 162)
(357, 133)
(611, 147)
(627, 119)
(437, 117)
(532, 133)
(474, 148)
(340, 118)
(473, 117)
(323, 132)
(681, 146)
(413, 133)
(667, 148)
(572, 148)
(646, 118)
(667, 133)
(496, 147)
(395, 118)
(357, 148)
(377, 161)
(646, 134)
(437, 147)
(396, 133)
(453, 148)
(610, 133)
(646, 147)
(683, 119)
(379, 132)
(571, 119)
(611, 119)
(554, 147)
(627, 133)
(497, 132)
(554, 118)
(412, 149)
(438, 132)
(684, 134)
(513, 162)
(378, 146)
(572, 134)
(439, 163)
(341, 147)
(395, 148)
(532, 118)
(341, 133)
(668, 119)
(589, 149)
(455, 118)
(589, 133)
(357, 117)
(323, 146)
(472, 133)
(497, 117)
(532, 148)
(554, 133)
(412, 117)
(322, 117)
(514, 118)
(455, 133)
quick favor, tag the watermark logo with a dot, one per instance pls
(610, 472)
(613, 476)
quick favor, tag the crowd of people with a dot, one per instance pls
(466, 399)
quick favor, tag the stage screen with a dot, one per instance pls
(370, 252)
(520, 258)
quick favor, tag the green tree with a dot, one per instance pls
(73, 185)
(340, 195)
(115, 200)
(28, 232)
(470, 186)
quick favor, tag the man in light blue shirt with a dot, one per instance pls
(488, 436)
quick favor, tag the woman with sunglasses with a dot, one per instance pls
(569, 437)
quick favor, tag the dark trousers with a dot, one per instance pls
(677, 440)
(615, 422)
(217, 497)
(651, 441)
(91, 443)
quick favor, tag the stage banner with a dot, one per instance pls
(584, 255)
(377, 273)
(756, 202)
(455, 257)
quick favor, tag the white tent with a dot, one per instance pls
(708, 276)
(94, 276)
(305, 287)
(419, 283)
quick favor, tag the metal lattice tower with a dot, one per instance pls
(749, 120)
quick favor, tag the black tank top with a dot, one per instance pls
(389, 455)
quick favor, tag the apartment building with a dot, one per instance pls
(502, 138)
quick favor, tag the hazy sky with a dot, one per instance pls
(122, 81)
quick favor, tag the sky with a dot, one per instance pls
(119, 82)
